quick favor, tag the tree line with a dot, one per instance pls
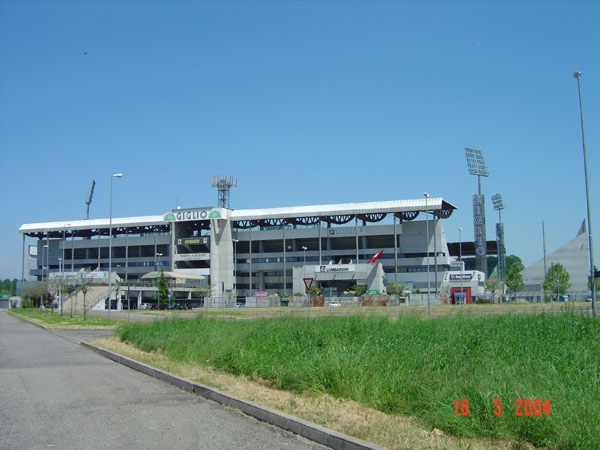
(8, 287)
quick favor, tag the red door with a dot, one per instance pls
(456, 296)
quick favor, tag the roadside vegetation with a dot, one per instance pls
(447, 372)
(50, 318)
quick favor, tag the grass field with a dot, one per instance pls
(390, 311)
(452, 372)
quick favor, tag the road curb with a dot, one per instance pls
(316, 433)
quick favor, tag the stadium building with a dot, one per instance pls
(255, 251)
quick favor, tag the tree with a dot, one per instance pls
(5, 287)
(36, 293)
(513, 277)
(396, 288)
(313, 292)
(85, 287)
(513, 263)
(71, 289)
(54, 287)
(494, 285)
(8, 287)
(162, 287)
(557, 280)
(358, 289)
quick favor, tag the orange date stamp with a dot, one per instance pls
(524, 407)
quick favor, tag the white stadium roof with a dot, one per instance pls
(341, 209)
(240, 215)
(90, 224)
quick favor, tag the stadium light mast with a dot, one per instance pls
(499, 206)
(88, 202)
(577, 76)
(224, 186)
(477, 167)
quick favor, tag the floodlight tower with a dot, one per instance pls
(477, 167)
(224, 185)
(88, 202)
(499, 206)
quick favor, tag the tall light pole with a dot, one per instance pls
(499, 206)
(63, 243)
(235, 241)
(577, 75)
(62, 266)
(156, 255)
(462, 298)
(47, 268)
(62, 279)
(284, 257)
(47, 247)
(114, 175)
(304, 248)
(428, 276)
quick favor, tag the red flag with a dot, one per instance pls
(376, 256)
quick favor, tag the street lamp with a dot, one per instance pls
(45, 252)
(462, 299)
(60, 268)
(577, 75)
(114, 175)
(304, 248)
(47, 271)
(428, 276)
(156, 255)
(235, 241)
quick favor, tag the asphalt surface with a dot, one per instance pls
(57, 394)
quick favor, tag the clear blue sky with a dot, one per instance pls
(304, 102)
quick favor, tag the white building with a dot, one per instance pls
(574, 257)
(463, 286)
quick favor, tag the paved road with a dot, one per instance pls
(55, 394)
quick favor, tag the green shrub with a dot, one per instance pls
(26, 303)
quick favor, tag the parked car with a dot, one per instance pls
(144, 306)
